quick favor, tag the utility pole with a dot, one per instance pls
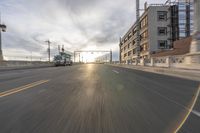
(110, 56)
(63, 48)
(79, 57)
(120, 44)
(59, 49)
(138, 30)
(49, 50)
(74, 56)
(31, 57)
(2, 28)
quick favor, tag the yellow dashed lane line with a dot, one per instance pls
(190, 109)
(22, 88)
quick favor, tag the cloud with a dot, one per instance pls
(77, 24)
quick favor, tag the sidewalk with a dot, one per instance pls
(191, 74)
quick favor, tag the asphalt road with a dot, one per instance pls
(96, 99)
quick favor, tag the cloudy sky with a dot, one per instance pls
(76, 24)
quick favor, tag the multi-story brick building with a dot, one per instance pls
(160, 26)
(154, 34)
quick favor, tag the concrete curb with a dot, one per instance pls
(181, 73)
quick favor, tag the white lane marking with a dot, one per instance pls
(115, 71)
(196, 113)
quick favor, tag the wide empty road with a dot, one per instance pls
(97, 99)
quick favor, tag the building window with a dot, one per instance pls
(144, 22)
(133, 43)
(162, 31)
(134, 30)
(162, 44)
(144, 35)
(145, 47)
(141, 48)
(126, 39)
(182, 13)
(129, 35)
(129, 53)
(134, 51)
(162, 15)
(125, 48)
(182, 34)
(182, 26)
(182, 6)
(129, 45)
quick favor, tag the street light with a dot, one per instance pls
(2, 29)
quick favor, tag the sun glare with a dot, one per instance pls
(87, 57)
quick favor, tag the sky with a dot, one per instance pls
(76, 24)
